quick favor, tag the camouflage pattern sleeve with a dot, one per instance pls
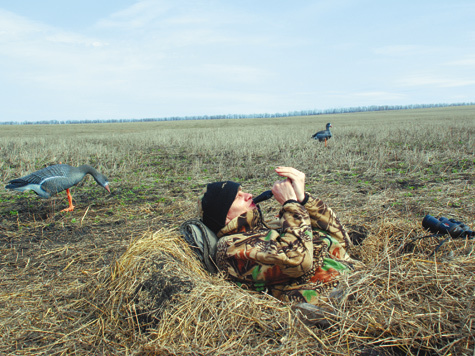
(322, 217)
(296, 230)
(262, 256)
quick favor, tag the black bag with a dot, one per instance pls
(202, 241)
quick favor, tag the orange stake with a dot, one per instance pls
(70, 200)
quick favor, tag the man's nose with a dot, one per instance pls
(248, 196)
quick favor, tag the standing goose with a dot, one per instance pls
(323, 135)
(54, 179)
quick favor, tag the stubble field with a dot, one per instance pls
(69, 281)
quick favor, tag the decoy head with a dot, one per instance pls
(102, 181)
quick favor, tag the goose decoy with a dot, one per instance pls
(323, 135)
(54, 179)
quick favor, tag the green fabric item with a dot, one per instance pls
(308, 294)
(268, 236)
(202, 241)
(329, 263)
(255, 272)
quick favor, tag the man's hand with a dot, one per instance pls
(295, 178)
(283, 191)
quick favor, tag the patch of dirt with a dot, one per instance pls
(357, 233)
(157, 292)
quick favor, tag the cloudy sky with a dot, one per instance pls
(121, 59)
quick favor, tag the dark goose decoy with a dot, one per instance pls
(323, 135)
(54, 179)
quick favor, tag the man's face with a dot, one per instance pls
(242, 203)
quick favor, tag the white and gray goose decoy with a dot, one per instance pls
(54, 179)
(323, 135)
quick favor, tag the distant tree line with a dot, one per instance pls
(242, 116)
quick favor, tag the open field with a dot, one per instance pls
(69, 281)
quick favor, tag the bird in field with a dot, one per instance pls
(323, 135)
(54, 179)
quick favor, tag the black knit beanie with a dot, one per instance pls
(216, 202)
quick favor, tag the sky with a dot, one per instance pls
(132, 59)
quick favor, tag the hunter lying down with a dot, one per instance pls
(297, 260)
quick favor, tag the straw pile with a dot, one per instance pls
(156, 299)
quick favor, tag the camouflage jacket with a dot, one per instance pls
(298, 257)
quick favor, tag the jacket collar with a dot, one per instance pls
(246, 222)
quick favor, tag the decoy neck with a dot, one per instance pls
(98, 177)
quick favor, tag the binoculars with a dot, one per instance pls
(447, 226)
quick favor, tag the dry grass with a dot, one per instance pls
(114, 276)
(400, 301)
